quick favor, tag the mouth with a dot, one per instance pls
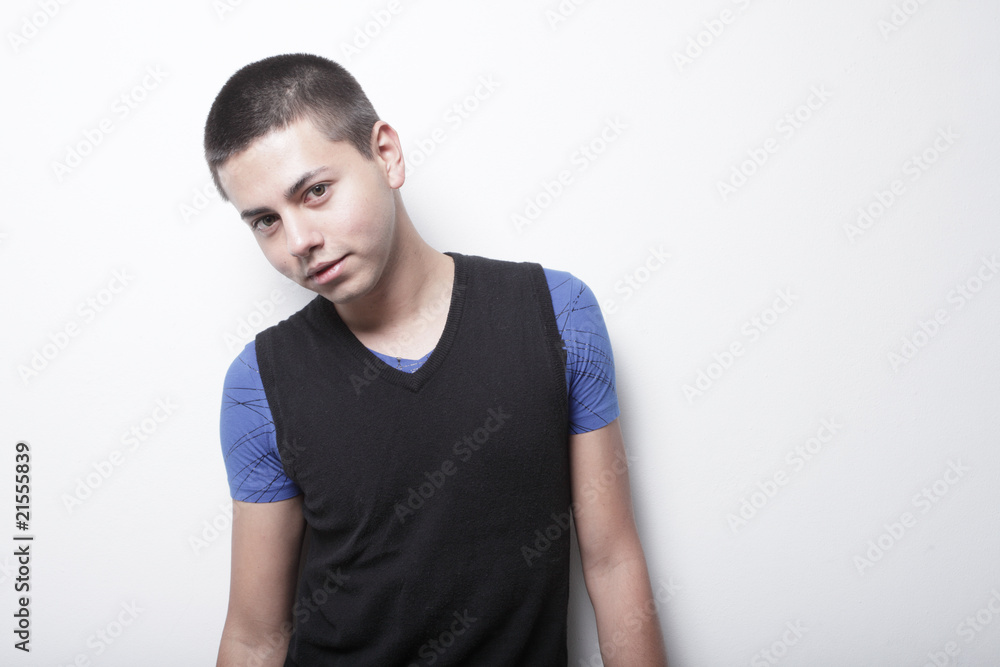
(325, 272)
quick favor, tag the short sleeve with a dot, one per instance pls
(246, 428)
(590, 367)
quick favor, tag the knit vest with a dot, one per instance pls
(437, 502)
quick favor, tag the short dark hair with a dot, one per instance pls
(272, 93)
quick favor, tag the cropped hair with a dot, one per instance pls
(272, 93)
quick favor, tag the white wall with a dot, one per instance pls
(890, 83)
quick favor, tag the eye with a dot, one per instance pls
(264, 222)
(318, 190)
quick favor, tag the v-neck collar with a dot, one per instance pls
(412, 381)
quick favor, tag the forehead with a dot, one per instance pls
(276, 160)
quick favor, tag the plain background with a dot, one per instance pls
(128, 285)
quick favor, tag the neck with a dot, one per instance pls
(416, 281)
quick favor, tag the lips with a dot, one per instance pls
(324, 272)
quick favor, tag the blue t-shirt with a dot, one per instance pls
(250, 449)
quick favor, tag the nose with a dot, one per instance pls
(301, 237)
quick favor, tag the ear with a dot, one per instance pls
(388, 153)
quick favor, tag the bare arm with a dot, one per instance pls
(614, 566)
(267, 541)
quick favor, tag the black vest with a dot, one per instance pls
(437, 501)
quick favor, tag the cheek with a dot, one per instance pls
(274, 252)
(382, 215)
(371, 205)
(366, 220)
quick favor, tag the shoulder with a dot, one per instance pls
(564, 283)
(572, 300)
(488, 265)
(590, 371)
(242, 390)
(244, 366)
(306, 313)
(559, 282)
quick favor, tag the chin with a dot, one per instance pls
(342, 292)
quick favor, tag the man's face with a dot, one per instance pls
(323, 214)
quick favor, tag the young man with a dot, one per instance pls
(433, 419)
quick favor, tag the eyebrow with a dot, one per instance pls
(289, 193)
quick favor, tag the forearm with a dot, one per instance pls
(628, 627)
(262, 649)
